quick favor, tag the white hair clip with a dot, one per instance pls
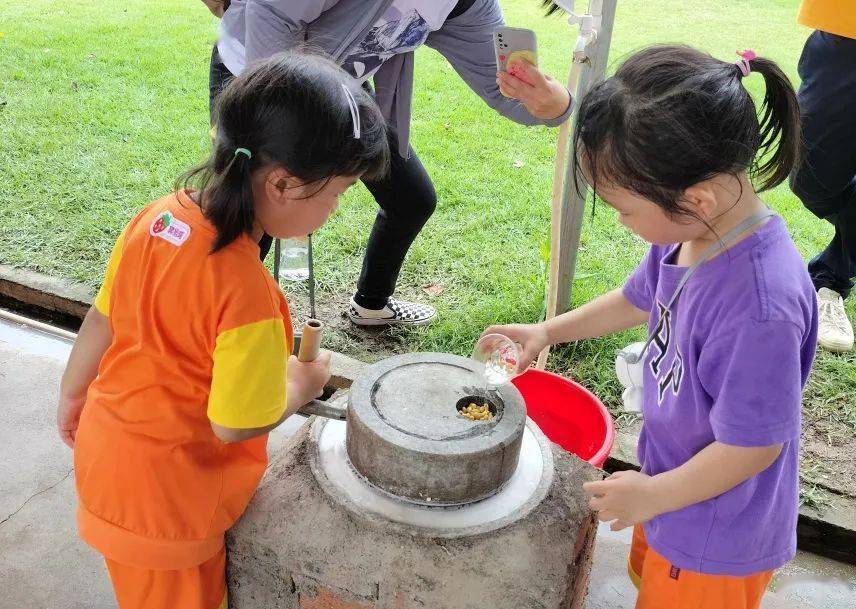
(355, 110)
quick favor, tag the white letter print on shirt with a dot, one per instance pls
(661, 342)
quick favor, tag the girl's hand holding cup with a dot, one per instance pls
(532, 339)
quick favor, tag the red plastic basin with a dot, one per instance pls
(569, 414)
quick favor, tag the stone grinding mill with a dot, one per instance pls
(409, 504)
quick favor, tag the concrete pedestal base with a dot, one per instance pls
(299, 548)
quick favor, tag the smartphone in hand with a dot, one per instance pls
(514, 43)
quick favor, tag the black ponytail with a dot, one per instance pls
(229, 201)
(673, 116)
(780, 137)
(290, 111)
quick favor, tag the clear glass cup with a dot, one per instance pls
(500, 356)
(294, 259)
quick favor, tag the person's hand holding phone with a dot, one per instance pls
(544, 96)
(215, 6)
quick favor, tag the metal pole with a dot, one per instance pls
(277, 247)
(311, 279)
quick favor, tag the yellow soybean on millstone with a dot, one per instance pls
(477, 412)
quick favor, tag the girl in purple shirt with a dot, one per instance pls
(673, 143)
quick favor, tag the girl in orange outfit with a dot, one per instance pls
(182, 367)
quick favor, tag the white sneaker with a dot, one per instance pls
(396, 312)
(835, 332)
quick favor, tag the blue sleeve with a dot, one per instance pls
(466, 41)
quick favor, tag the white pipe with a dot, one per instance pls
(587, 34)
(556, 213)
(37, 325)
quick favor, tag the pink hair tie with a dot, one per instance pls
(746, 56)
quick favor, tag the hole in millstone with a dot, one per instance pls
(328, 393)
(465, 409)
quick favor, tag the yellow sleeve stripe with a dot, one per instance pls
(249, 376)
(635, 578)
(102, 300)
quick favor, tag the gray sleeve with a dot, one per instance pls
(467, 42)
(271, 26)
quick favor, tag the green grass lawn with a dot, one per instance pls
(103, 103)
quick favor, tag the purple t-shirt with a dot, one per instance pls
(729, 365)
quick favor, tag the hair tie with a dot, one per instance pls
(355, 110)
(243, 151)
(746, 56)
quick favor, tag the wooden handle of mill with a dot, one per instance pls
(310, 340)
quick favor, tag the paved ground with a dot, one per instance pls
(44, 565)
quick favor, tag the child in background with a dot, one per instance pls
(182, 366)
(671, 142)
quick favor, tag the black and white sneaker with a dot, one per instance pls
(396, 312)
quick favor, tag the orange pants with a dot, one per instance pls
(663, 586)
(200, 587)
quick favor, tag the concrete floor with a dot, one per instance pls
(43, 564)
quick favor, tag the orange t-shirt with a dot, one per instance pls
(833, 16)
(197, 337)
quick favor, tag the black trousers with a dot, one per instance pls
(406, 198)
(825, 180)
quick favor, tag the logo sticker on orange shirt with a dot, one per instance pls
(168, 227)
